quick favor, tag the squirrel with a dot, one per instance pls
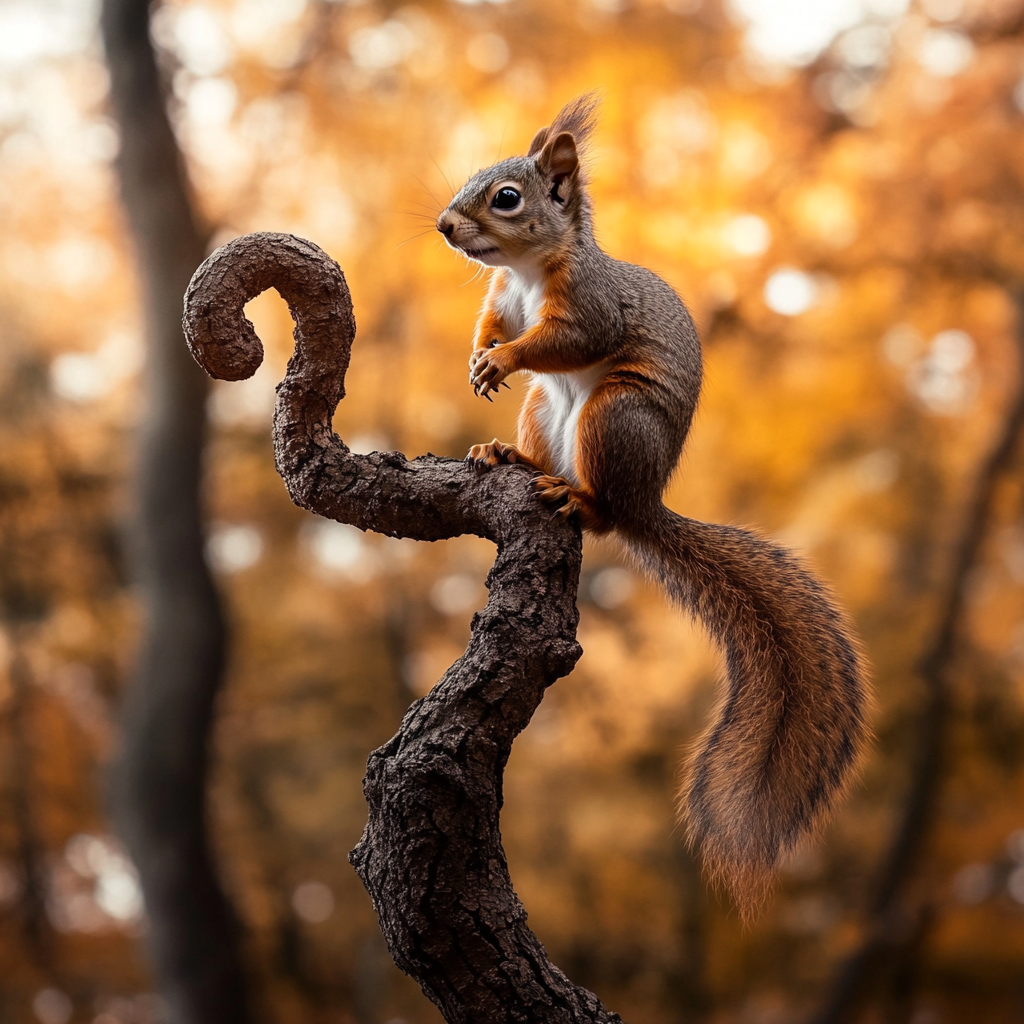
(616, 374)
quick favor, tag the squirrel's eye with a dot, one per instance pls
(506, 199)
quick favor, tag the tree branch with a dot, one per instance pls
(431, 855)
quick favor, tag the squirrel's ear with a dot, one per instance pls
(558, 159)
(538, 142)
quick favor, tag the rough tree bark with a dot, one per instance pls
(431, 855)
(158, 780)
(890, 924)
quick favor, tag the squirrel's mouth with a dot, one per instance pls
(476, 254)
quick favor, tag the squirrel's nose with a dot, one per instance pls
(445, 225)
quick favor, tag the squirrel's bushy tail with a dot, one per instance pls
(791, 723)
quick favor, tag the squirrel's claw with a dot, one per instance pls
(483, 389)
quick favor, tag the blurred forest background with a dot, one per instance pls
(836, 187)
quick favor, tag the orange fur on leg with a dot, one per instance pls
(490, 328)
(529, 436)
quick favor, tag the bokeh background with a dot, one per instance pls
(836, 188)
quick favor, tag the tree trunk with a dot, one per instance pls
(431, 855)
(159, 777)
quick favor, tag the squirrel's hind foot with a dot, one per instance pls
(486, 456)
(554, 490)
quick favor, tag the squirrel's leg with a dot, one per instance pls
(579, 499)
(530, 448)
(626, 449)
(530, 439)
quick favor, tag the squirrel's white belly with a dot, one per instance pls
(565, 393)
(559, 415)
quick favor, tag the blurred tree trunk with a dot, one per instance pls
(36, 928)
(159, 778)
(891, 926)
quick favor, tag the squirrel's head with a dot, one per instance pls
(525, 211)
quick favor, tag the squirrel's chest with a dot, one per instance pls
(521, 302)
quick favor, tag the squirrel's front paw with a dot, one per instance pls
(487, 371)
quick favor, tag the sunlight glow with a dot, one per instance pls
(339, 551)
(234, 547)
(95, 887)
(866, 46)
(487, 52)
(471, 3)
(747, 235)
(87, 376)
(313, 902)
(790, 292)
(944, 53)
(457, 593)
(943, 379)
(901, 344)
(612, 587)
(943, 10)
(193, 33)
(794, 32)
(51, 1006)
(31, 31)
(211, 102)
(376, 47)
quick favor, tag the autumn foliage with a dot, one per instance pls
(847, 225)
